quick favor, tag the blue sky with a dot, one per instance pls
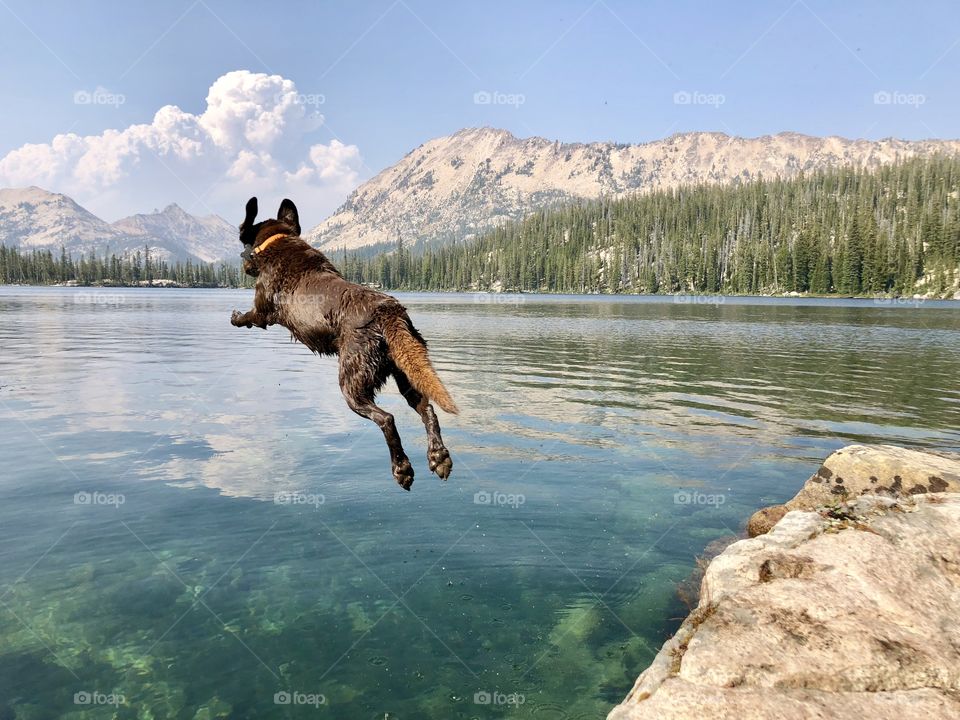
(388, 75)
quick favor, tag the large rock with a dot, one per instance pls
(847, 611)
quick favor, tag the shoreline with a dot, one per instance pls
(678, 298)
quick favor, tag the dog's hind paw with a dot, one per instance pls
(440, 462)
(403, 473)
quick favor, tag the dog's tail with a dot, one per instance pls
(408, 350)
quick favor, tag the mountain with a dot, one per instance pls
(459, 185)
(34, 219)
(209, 238)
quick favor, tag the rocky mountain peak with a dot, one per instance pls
(455, 186)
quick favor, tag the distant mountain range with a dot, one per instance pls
(456, 186)
(33, 218)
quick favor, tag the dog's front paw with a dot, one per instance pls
(236, 319)
(403, 474)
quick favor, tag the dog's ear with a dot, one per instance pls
(288, 214)
(251, 215)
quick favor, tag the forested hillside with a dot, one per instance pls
(42, 267)
(895, 229)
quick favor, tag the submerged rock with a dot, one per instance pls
(845, 609)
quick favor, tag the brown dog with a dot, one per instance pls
(299, 288)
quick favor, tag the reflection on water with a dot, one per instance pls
(603, 443)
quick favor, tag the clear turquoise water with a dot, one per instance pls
(637, 430)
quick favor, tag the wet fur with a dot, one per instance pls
(299, 288)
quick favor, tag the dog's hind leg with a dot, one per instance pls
(361, 375)
(437, 454)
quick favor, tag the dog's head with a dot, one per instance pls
(253, 233)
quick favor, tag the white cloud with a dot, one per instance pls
(252, 139)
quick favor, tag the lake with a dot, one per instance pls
(193, 524)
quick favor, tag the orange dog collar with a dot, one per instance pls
(268, 242)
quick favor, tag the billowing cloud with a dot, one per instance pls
(252, 139)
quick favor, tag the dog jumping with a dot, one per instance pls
(299, 288)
